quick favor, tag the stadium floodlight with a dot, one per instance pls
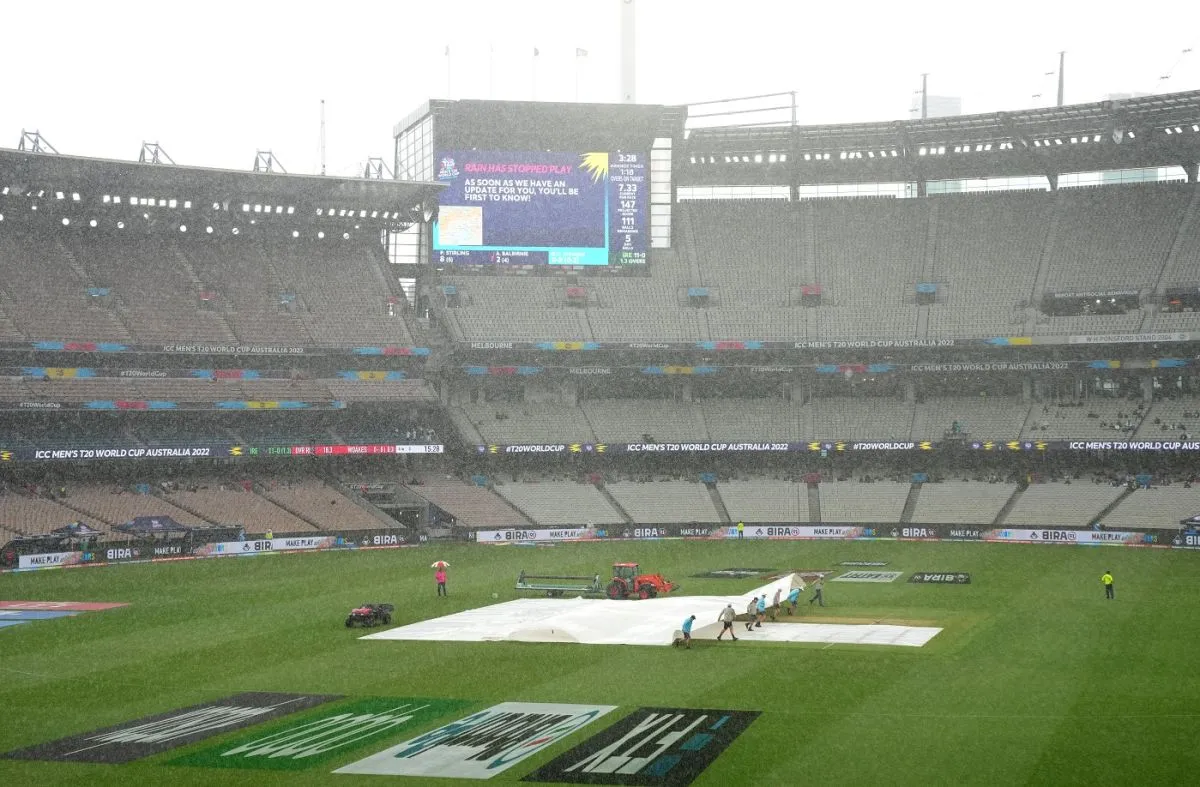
(345, 236)
(295, 233)
(258, 208)
(172, 204)
(807, 157)
(1074, 140)
(187, 204)
(1057, 141)
(1168, 131)
(41, 193)
(146, 216)
(245, 207)
(216, 206)
(279, 209)
(75, 196)
(291, 209)
(120, 225)
(92, 223)
(33, 207)
(374, 214)
(783, 157)
(236, 231)
(1, 217)
(106, 199)
(66, 221)
(1196, 127)
(842, 155)
(1132, 135)
(183, 228)
(342, 212)
(987, 147)
(321, 235)
(1178, 130)
(209, 230)
(1096, 138)
(162, 203)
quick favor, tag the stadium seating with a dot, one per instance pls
(116, 506)
(853, 501)
(737, 419)
(1095, 418)
(1156, 507)
(1166, 417)
(31, 516)
(630, 420)
(664, 501)
(556, 503)
(529, 422)
(865, 418)
(1074, 505)
(961, 502)
(231, 504)
(764, 500)
(318, 502)
(471, 506)
(984, 417)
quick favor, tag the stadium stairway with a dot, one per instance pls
(385, 520)
(1183, 233)
(1002, 514)
(180, 504)
(65, 502)
(620, 509)
(279, 503)
(910, 503)
(814, 503)
(1108, 509)
(719, 504)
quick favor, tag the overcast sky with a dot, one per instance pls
(213, 82)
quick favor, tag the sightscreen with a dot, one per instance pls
(541, 208)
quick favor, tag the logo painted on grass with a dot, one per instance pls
(868, 576)
(942, 578)
(315, 739)
(483, 744)
(162, 732)
(735, 573)
(651, 746)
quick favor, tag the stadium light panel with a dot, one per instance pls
(258, 208)
(807, 157)
(342, 212)
(1178, 130)
(1096, 138)
(162, 203)
(1, 217)
(320, 211)
(782, 157)
(356, 226)
(236, 231)
(172, 204)
(295, 233)
(75, 196)
(920, 151)
(1168, 131)
(4, 191)
(279, 209)
(842, 155)
(209, 230)
(1196, 127)
(245, 208)
(187, 204)
(106, 199)
(216, 206)
(1132, 135)
(253, 221)
(345, 236)
(362, 214)
(692, 159)
(66, 221)
(870, 154)
(120, 225)
(92, 223)
(58, 195)
(33, 207)
(146, 216)
(41, 193)
(941, 150)
(291, 209)
(1057, 141)
(374, 214)
(758, 158)
(321, 235)
(988, 146)
(183, 228)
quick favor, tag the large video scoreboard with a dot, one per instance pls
(541, 208)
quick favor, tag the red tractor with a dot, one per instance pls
(627, 582)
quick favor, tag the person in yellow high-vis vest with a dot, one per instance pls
(1107, 579)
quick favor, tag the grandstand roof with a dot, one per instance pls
(1150, 131)
(21, 171)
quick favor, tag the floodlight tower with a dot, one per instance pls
(628, 52)
(34, 142)
(265, 161)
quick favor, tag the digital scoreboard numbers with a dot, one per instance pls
(627, 209)
(541, 208)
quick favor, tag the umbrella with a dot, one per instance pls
(440, 564)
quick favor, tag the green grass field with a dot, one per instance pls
(1035, 680)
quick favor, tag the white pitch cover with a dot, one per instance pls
(645, 622)
(483, 744)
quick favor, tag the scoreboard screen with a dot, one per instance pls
(539, 208)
